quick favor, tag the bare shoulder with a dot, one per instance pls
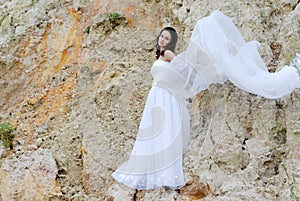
(169, 55)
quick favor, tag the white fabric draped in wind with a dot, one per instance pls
(218, 52)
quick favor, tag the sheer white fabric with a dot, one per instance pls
(216, 53)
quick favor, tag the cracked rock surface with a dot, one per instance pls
(74, 76)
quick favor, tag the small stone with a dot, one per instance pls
(195, 190)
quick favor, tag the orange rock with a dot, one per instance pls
(195, 190)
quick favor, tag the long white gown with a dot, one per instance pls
(216, 53)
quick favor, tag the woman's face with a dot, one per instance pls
(164, 39)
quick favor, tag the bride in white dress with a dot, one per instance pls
(216, 53)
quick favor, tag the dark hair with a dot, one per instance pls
(171, 46)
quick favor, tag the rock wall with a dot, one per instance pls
(74, 76)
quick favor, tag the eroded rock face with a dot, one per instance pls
(30, 176)
(74, 76)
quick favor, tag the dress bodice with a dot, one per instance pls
(178, 76)
(167, 75)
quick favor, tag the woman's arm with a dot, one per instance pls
(169, 55)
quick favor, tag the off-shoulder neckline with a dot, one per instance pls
(163, 60)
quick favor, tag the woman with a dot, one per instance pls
(216, 53)
(156, 159)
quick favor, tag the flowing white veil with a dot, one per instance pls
(217, 52)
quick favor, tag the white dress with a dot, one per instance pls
(156, 158)
(216, 53)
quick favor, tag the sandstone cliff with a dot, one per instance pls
(74, 75)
